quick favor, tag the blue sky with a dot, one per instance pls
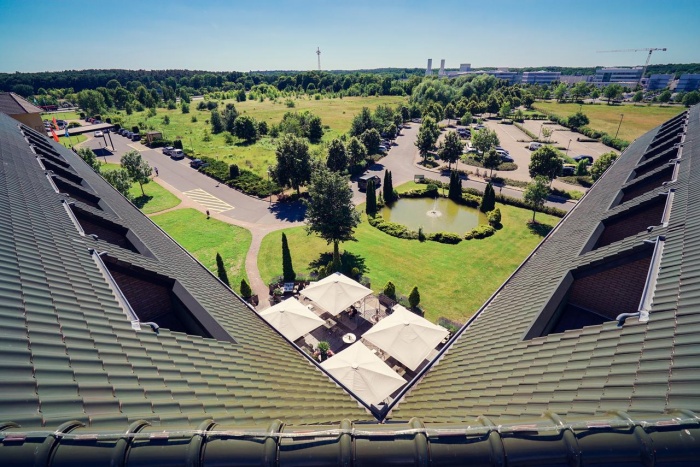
(284, 34)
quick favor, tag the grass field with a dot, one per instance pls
(453, 280)
(72, 141)
(156, 199)
(638, 119)
(335, 113)
(203, 238)
(60, 116)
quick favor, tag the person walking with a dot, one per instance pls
(155, 169)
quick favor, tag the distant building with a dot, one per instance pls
(573, 79)
(688, 82)
(658, 82)
(21, 110)
(623, 76)
(540, 77)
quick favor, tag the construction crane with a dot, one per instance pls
(650, 50)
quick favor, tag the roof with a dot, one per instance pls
(14, 104)
(84, 377)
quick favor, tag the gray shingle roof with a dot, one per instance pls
(12, 104)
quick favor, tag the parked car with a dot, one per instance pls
(98, 134)
(506, 158)
(479, 127)
(177, 154)
(583, 157)
(136, 137)
(123, 131)
(167, 150)
(383, 148)
(197, 163)
(568, 169)
(534, 146)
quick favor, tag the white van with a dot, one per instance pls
(177, 154)
(534, 146)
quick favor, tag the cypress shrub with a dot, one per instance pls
(414, 297)
(221, 270)
(246, 292)
(287, 268)
(371, 199)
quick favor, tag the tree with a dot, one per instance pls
(245, 128)
(371, 203)
(314, 127)
(491, 160)
(90, 158)
(601, 164)
(577, 120)
(330, 212)
(388, 188)
(504, 111)
(449, 112)
(221, 270)
(414, 297)
(466, 119)
(579, 90)
(691, 98)
(492, 104)
(665, 96)
(337, 160)
(546, 133)
(455, 191)
(638, 96)
(356, 151)
(545, 162)
(582, 168)
(246, 292)
(560, 92)
(484, 140)
(488, 200)
(92, 102)
(390, 290)
(371, 139)
(217, 125)
(612, 91)
(287, 268)
(185, 107)
(293, 162)
(362, 122)
(451, 149)
(427, 135)
(138, 169)
(120, 180)
(536, 194)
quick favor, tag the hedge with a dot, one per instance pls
(479, 232)
(606, 139)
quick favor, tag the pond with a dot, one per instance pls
(434, 215)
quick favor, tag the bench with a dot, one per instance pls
(386, 302)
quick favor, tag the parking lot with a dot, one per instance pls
(562, 135)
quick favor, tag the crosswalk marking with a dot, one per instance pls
(207, 200)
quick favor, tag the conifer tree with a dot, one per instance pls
(414, 297)
(287, 268)
(455, 191)
(371, 206)
(221, 270)
(488, 200)
(246, 292)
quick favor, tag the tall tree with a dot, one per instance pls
(491, 160)
(546, 162)
(414, 297)
(217, 124)
(221, 270)
(337, 160)
(536, 194)
(287, 268)
(120, 180)
(455, 191)
(293, 162)
(427, 135)
(371, 139)
(601, 164)
(90, 158)
(388, 188)
(612, 91)
(371, 202)
(451, 148)
(138, 169)
(330, 212)
(356, 151)
(488, 200)
(245, 128)
(246, 291)
(484, 140)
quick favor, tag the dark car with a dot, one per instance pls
(198, 163)
(583, 157)
(136, 137)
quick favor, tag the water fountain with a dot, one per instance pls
(434, 212)
(433, 215)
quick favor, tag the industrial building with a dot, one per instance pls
(688, 82)
(540, 77)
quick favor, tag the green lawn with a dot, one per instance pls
(60, 116)
(203, 238)
(156, 199)
(638, 119)
(72, 141)
(335, 113)
(454, 280)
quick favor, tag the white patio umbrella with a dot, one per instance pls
(291, 318)
(336, 292)
(363, 373)
(406, 336)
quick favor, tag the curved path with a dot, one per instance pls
(261, 217)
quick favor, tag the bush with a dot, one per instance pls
(445, 237)
(233, 171)
(479, 232)
(254, 185)
(494, 217)
(216, 169)
(390, 290)
(177, 144)
(159, 143)
(390, 228)
(246, 292)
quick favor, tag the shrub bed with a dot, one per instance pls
(243, 180)
(503, 166)
(481, 231)
(445, 237)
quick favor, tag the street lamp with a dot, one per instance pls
(567, 148)
(618, 126)
(269, 169)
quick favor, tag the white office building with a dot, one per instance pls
(540, 77)
(623, 76)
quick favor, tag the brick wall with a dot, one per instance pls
(612, 291)
(149, 300)
(647, 185)
(631, 224)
